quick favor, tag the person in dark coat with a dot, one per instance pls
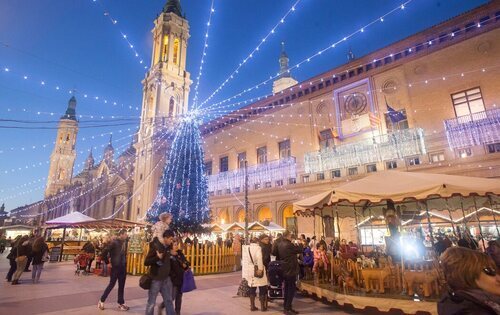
(31, 240)
(179, 265)
(39, 254)
(23, 251)
(12, 259)
(89, 249)
(158, 259)
(266, 249)
(287, 252)
(493, 251)
(118, 255)
(473, 283)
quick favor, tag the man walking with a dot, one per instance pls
(158, 259)
(287, 252)
(118, 254)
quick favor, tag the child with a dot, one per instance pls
(159, 228)
(320, 260)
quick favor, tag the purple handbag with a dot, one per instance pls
(188, 283)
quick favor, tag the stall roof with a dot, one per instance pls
(17, 227)
(101, 223)
(238, 226)
(400, 186)
(70, 218)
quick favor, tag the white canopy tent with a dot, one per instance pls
(73, 217)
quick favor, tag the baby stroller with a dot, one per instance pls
(81, 262)
(275, 277)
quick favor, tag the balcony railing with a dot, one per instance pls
(474, 129)
(395, 145)
(260, 175)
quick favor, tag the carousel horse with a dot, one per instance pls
(426, 278)
(377, 276)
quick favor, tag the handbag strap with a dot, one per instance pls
(251, 256)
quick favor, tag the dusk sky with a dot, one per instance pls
(73, 45)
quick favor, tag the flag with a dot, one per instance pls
(394, 115)
(374, 120)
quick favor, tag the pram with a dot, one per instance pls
(81, 262)
(275, 277)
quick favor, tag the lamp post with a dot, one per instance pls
(246, 202)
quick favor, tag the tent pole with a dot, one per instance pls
(478, 221)
(429, 223)
(357, 229)
(451, 218)
(494, 216)
(62, 244)
(323, 223)
(338, 225)
(371, 228)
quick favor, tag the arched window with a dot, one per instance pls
(171, 107)
(264, 214)
(240, 215)
(176, 52)
(164, 54)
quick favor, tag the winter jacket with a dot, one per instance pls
(89, 248)
(159, 268)
(248, 267)
(23, 249)
(308, 257)
(178, 265)
(266, 254)
(286, 252)
(117, 251)
(38, 255)
(320, 258)
(470, 302)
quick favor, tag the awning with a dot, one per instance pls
(70, 218)
(375, 190)
(99, 224)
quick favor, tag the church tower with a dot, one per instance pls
(63, 157)
(165, 97)
(285, 79)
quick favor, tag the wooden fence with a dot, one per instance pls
(204, 259)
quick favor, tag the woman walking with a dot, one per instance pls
(22, 252)
(256, 276)
(179, 265)
(39, 253)
(12, 259)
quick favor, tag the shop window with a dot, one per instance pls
(413, 161)
(352, 171)
(436, 157)
(336, 174)
(465, 152)
(371, 168)
(390, 165)
(305, 179)
(493, 147)
(320, 176)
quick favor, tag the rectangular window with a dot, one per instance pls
(224, 164)
(242, 157)
(326, 139)
(413, 161)
(320, 176)
(371, 168)
(493, 147)
(292, 180)
(465, 152)
(352, 171)
(268, 184)
(237, 190)
(219, 192)
(284, 148)
(262, 155)
(436, 157)
(336, 174)
(256, 186)
(390, 165)
(468, 102)
(208, 168)
(401, 124)
(305, 179)
(228, 191)
(279, 183)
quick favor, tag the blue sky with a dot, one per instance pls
(73, 45)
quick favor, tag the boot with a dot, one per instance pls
(252, 304)
(263, 303)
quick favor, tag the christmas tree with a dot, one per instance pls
(183, 190)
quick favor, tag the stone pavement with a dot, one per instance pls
(61, 292)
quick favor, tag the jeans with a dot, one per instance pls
(36, 272)
(262, 291)
(104, 269)
(290, 289)
(165, 288)
(20, 269)
(13, 267)
(177, 296)
(117, 273)
(27, 267)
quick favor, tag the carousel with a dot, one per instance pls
(398, 218)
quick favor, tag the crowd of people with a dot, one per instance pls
(25, 251)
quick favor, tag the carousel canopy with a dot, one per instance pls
(73, 217)
(375, 190)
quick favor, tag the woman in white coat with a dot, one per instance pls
(252, 256)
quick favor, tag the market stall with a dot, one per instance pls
(13, 231)
(409, 207)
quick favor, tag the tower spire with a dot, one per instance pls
(173, 6)
(71, 110)
(284, 71)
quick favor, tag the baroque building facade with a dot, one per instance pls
(427, 103)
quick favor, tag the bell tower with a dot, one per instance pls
(63, 156)
(285, 79)
(165, 97)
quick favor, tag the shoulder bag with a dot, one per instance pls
(256, 272)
